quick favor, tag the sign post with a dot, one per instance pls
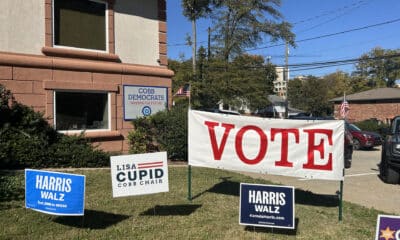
(267, 206)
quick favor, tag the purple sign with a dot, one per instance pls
(388, 227)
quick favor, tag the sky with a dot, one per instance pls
(326, 30)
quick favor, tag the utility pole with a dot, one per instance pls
(209, 44)
(286, 79)
(194, 45)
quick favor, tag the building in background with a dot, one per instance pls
(281, 82)
(89, 65)
(382, 104)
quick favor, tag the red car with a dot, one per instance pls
(363, 139)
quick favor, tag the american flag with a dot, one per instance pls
(344, 108)
(183, 91)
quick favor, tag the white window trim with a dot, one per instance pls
(83, 130)
(77, 48)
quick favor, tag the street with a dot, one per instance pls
(362, 184)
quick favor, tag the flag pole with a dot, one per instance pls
(190, 107)
(341, 181)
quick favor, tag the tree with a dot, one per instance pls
(310, 95)
(338, 83)
(381, 67)
(248, 81)
(193, 10)
(241, 24)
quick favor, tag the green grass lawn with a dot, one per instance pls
(212, 214)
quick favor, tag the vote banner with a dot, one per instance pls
(388, 227)
(298, 148)
(142, 101)
(267, 206)
(54, 192)
(139, 174)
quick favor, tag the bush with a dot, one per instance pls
(11, 186)
(163, 131)
(27, 140)
(372, 125)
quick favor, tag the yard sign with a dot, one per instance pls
(139, 174)
(388, 227)
(267, 206)
(55, 193)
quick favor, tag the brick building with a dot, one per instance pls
(89, 65)
(381, 103)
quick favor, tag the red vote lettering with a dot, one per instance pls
(284, 145)
(320, 148)
(217, 151)
(312, 147)
(239, 145)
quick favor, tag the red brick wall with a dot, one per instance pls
(363, 111)
(33, 80)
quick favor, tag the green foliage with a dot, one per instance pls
(11, 187)
(143, 138)
(372, 125)
(194, 9)
(247, 80)
(27, 140)
(163, 131)
(380, 67)
(310, 95)
(76, 151)
(243, 24)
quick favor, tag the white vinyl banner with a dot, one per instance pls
(298, 148)
(139, 174)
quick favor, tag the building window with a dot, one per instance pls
(80, 24)
(77, 111)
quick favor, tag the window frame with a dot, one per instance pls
(82, 130)
(107, 49)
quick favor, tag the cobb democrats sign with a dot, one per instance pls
(142, 101)
(55, 193)
(139, 174)
(310, 149)
(388, 227)
(266, 206)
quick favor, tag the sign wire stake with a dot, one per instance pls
(189, 182)
(341, 201)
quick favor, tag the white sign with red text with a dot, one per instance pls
(139, 174)
(298, 148)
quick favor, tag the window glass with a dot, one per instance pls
(80, 24)
(81, 111)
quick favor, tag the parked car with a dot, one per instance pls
(389, 167)
(363, 139)
(348, 138)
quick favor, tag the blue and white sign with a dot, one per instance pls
(267, 206)
(142, 101)
(55, 193)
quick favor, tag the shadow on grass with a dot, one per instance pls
(93, 220)
(171, 210)
(310, 198)
(291, 232)
(228, 187)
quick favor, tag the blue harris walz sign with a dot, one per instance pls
(55, 193)
(266, 206)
